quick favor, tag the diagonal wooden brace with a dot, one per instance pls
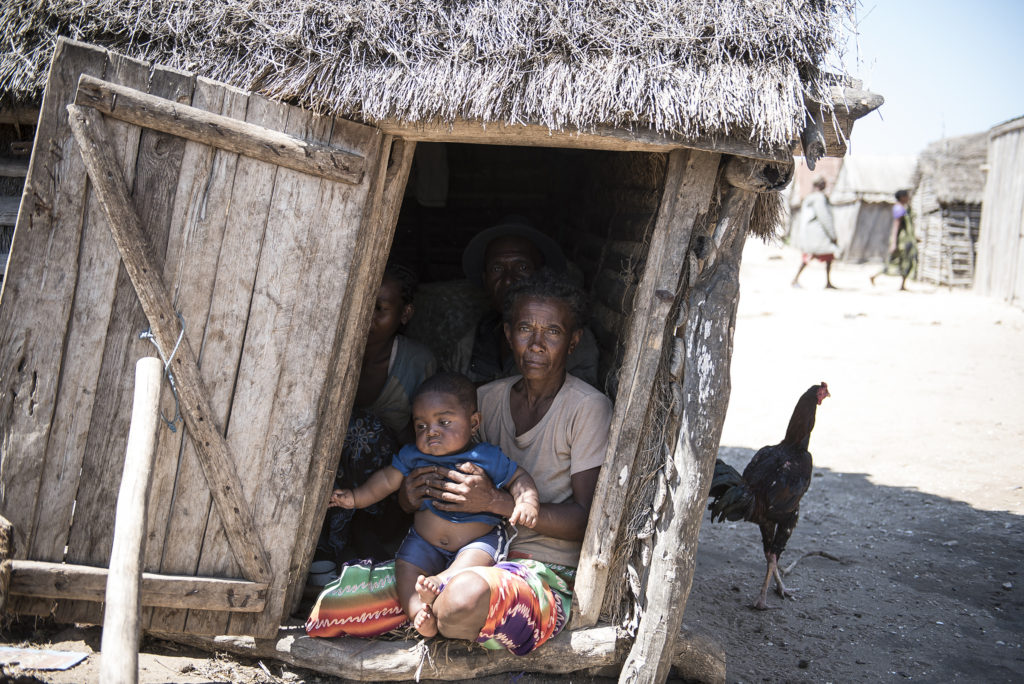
(143, 269)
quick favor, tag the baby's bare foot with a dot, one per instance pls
(426, 622)
(428, 588)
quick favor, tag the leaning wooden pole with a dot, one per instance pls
(119, 661)
(701, 395)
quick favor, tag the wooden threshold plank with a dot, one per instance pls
(274, 147)
(87, 583)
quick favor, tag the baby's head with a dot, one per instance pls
(444, 414)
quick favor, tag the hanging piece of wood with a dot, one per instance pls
(142, 267)
(119, 661)
(86, 583)
(812, 139)
(758, 176)
(273, 147)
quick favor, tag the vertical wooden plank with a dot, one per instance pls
(336, 401)
(265, 349)
(708, 312)
(237, 205)
(336, 215)
(156, 175)
(99, 262)
(689, 181)
(38, 292)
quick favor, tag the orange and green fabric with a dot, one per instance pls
(529, 603)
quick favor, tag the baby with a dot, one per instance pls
(440, 543)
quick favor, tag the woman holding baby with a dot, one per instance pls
(555, 427)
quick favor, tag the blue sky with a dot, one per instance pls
(945, 68)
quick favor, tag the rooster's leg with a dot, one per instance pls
(773, 567)
(780, 588)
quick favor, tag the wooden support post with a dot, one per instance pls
(144, 271)
(689, 181)
(6, 551)
(706, 321)
(120, 644)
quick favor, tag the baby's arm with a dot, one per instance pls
(383, 482)
(524, 490)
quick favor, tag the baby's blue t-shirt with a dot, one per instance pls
(499, 467)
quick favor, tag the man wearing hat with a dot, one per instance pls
(495, 259)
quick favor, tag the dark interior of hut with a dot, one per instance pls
(599, 206)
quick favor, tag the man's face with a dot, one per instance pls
(507, 260)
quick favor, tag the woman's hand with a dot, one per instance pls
(468, 490)
(415, 487)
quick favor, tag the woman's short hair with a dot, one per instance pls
(901, 194)
(408, 281)
(453, 384)
(548, 284)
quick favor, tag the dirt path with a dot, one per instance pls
(917, 491)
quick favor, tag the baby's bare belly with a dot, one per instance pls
(446, 534)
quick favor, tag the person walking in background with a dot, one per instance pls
(902, 259)
(816, 234)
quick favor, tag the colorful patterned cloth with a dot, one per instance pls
(529, 603)
(362, 602)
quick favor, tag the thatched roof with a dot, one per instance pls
(692, 68)
(952, 168)
(873, 178)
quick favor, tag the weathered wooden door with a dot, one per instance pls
(271, 236)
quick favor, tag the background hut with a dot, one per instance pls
(1000, 270)
(647, 140)
(862, 202)
(946, 204)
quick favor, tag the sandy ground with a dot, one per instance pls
(918, 493)
(918, 488)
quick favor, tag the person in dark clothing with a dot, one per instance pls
(496, 258)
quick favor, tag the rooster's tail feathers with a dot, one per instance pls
(732, 499)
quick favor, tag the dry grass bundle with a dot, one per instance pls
(701, 67)
(952, 169)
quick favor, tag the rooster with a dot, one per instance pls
(769, 491)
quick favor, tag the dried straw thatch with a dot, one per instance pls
(952, 169)
(693, 68)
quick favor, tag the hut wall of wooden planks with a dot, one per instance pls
(260, 263)
(1000, 271)
(946, 208)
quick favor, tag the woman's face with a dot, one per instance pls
(389, 312)
(541, 337)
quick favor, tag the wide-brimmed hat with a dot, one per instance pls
(473, 255)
